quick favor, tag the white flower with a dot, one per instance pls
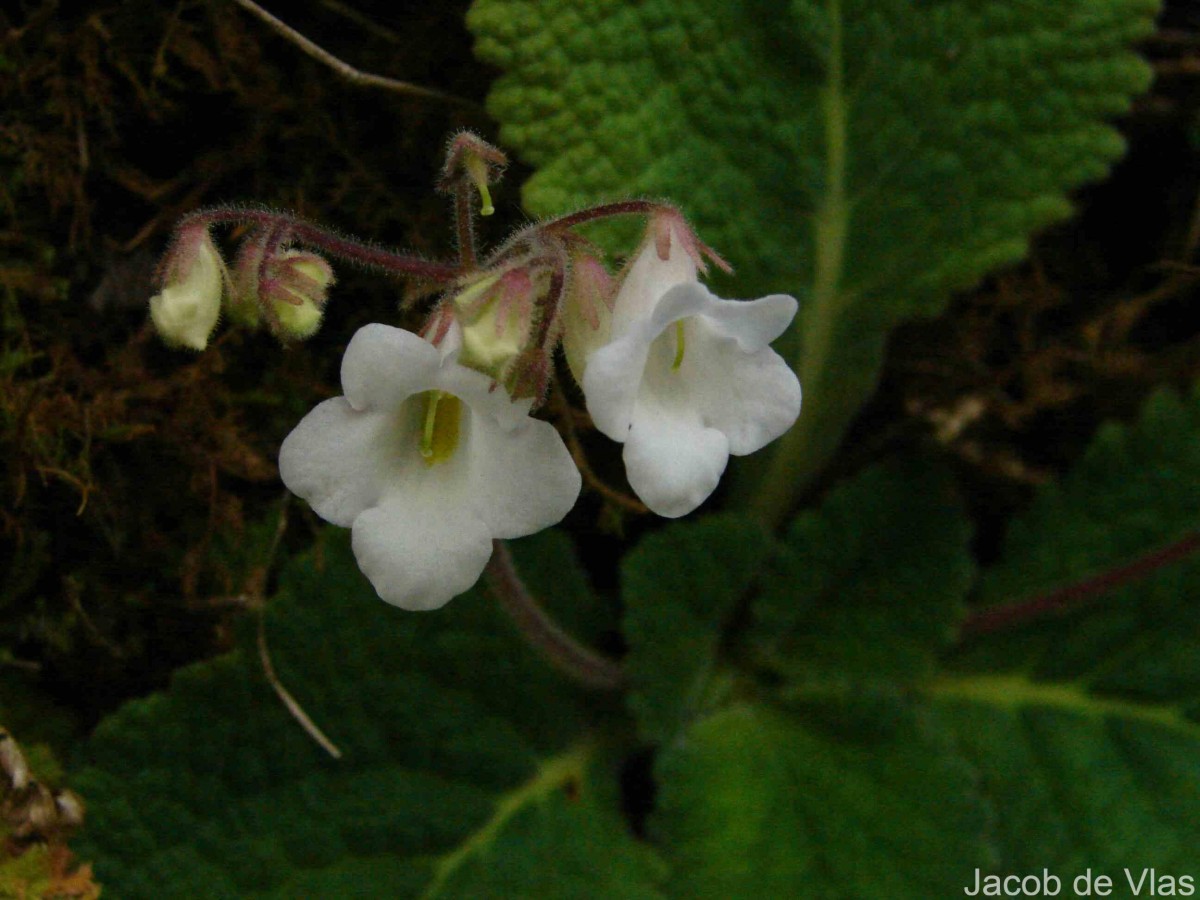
(187, 309)
(427, 462)
(687, 378)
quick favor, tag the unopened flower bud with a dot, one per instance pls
(496, 317)
(588, 314)
(297, 285)
(185, 312)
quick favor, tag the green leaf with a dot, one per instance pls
(905, 800)
(460, 745)
(1079, 781)
(1136, 490)
(857, 799)
(755, 804)
(1071, 745)
(1085, 728)
(529, 858)
(679, 587)
(869, 586)
(869, 156)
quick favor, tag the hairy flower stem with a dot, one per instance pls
(378, 258)
(464, 222)
(1064, 599)
(567, 655)
(607, 211)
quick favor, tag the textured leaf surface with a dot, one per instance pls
(680, 587)
(1078, 781)
(1086, 727)
(460, 746)
(1136, 490)
(1073, 744)
(870, 585)
(885, 799)
(753, 804)
(866, 155)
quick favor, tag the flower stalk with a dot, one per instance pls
(541, 631)
(361, 253)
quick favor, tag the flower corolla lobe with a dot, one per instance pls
(688, 378)
(422, 531)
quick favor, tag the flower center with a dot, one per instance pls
(678, 346)
(440, 423)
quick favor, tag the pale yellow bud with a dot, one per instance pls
(305, 277)
(186, 311)
(495, 326)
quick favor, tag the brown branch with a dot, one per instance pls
(257, 591)
(347, 71)
(1071, 596)
(464, 224)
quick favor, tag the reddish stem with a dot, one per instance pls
(388, 261)
(607, 211)
(464, 221)
(566, 654)
(1063, 599)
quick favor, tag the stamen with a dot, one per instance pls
(678, 346)
(439, 433)
(477, 169)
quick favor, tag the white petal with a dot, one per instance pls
(728, 375)
(673, 462)
(611, 383)
(647, 279)
(753, 323)
(420, 548)
(752, 398)
(522, 480)
(341, 460)
(383, 366)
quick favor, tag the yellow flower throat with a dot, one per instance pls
(440, 425)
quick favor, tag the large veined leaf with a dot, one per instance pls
(758, 804)
(868, 156)
(906, 800)
(1071, 745)
(869, 586)
(680, 588)
(1135, 492)
(1086, 726)
(466, 770)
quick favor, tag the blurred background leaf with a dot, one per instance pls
(466, 768)
(869, 585)
(681, 587)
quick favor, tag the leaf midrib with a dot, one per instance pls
(551, 775)
(1016, 692)
(795, 461)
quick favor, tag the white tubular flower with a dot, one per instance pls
(426, 463)
(687, 378)
(185, 312)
